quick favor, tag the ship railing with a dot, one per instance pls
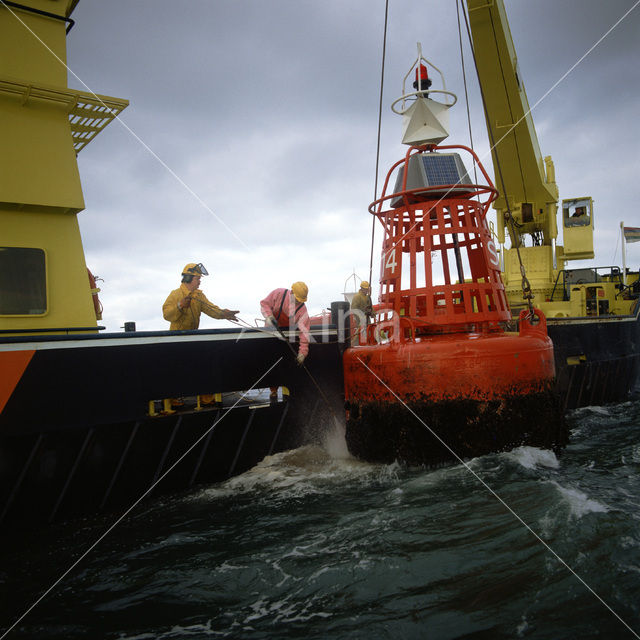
(568, 277)
(392, 328)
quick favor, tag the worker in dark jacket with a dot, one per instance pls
(362, 309)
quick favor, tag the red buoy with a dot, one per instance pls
(437, 376)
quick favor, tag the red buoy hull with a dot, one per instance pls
(482, 367)
(453, 396)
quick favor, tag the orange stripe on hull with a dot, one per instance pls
(12, 366)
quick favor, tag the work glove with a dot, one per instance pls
(300, 358)
(231, 314)
(270, 322)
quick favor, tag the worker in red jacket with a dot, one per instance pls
(285, 308)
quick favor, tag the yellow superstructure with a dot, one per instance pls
(527, 209)
(44, 283)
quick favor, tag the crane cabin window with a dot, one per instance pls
(576, 213)
(23, 282)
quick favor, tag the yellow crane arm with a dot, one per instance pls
(526, 182)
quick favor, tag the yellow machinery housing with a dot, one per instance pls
(43, 125)
(528, 205)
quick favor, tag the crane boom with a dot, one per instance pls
(526, 181)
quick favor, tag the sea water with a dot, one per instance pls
(314, 544)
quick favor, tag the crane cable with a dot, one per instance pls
(466, 94)
(375, 188)
(527, 295)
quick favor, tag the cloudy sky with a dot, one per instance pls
(250, 141)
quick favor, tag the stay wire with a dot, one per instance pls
(135, 504)
(493, 493)
(375, 188)
(615, 253)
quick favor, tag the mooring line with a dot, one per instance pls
(280, 335)
(135, 504)
(495, 495)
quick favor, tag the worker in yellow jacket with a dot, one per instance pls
(182, 309)
(184, 305)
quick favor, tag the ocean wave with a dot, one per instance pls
(298, 472)
(591, 410)
(532, 457)
(579, 502)
(178, 631)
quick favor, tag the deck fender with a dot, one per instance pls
(97, 305)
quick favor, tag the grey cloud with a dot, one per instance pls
(268, 112)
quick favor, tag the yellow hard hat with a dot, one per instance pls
(364, 284)
(193, 269)
(300, 291)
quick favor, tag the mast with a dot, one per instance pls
(439, 266)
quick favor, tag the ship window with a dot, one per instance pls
(23, 282)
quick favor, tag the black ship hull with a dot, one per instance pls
(78, 432)
(597, 359)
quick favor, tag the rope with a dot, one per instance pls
(281, 336)
(375, 188)
(527, 295)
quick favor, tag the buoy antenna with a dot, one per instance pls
(416, 64)
(425, 120)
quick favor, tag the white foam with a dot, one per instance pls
(601, 411)
(284, 610)
(297, 472)
(178, 631)
(579, 502)
(532, 457)
(591, 409)
(522, 627)
(335, 443)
